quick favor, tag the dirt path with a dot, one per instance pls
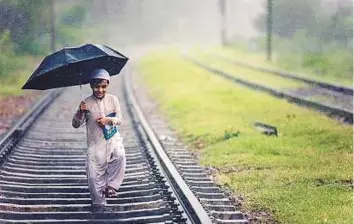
(12, 108)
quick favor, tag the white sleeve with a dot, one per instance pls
(117, 120)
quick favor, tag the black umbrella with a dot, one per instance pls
(71, 66)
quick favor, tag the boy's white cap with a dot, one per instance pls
(99, 74)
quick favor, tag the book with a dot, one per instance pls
(109, 130)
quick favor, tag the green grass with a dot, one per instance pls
(259, 59)
(12, 82)
(303, 176)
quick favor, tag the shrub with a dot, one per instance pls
(8, 60)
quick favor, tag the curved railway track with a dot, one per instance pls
(343, 112)
(42, 173)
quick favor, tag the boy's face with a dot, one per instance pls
(99, 88)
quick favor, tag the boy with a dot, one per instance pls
(105, 159)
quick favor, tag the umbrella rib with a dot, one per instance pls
(66, 59)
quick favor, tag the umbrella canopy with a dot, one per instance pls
(71, 66)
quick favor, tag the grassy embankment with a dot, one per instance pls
(303, 176)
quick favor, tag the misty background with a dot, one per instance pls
(312, 33)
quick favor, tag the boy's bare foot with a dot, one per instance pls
(110, 192)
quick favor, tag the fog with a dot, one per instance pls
(168, 22)
(308, 25)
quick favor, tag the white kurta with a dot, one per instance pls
(105, 160)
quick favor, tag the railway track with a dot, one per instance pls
(343, 112)
(329, 86)
(42, 173)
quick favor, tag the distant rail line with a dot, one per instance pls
(42, 173)
(345, 114)
(330, 86)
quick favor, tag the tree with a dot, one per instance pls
(26, 20)
(334, 24)
(290, 16)
(340, 25)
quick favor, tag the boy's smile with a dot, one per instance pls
(100, 89)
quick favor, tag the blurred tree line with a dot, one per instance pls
(25, 21)
(25, 29)
(313, 33)
(331, 24)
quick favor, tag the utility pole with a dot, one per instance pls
(269, 28)
(52, 21)
(222, 6)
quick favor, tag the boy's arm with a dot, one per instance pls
(79, 119)
(117, 120)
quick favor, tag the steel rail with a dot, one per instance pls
(189, 201)
(331, 86)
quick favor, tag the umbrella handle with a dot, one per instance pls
(81, 93)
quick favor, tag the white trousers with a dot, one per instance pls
(105, 166)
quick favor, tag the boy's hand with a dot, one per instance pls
(83, 107)
(103, 121)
